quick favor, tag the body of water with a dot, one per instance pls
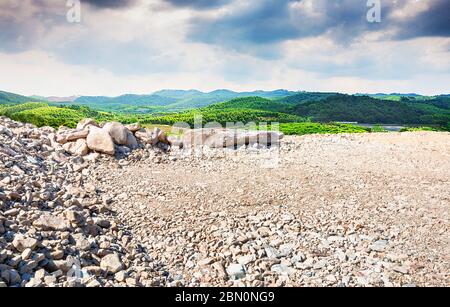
(385, 127)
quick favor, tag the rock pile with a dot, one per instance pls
(89, 138)
(55, 228)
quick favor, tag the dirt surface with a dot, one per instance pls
(332, 210)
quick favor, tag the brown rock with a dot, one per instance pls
(51, 222)
(21, 243)
(78, 148)
(86, 122)
(100, 140)
(133, 127)
(111, 263)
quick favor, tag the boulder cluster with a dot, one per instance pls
(89, 139)
(229, 138)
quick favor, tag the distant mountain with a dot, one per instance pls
(170, 100)
(92, 99)
(61, 99)
(127, 99)
(178, 94)
(6, 97)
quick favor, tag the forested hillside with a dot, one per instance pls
(297, 108)
(6, 97)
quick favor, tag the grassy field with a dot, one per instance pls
(317, 128)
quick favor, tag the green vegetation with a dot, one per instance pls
(317, 128)
(301, 113)
(41, 114)
(415, 129)
(378, 128)
(223, 116)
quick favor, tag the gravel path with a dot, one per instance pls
(337, 210)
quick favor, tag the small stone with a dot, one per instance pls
(379, 246)
(282, 269)
(74, 217)
(12, 212)
(120, 276)
(21, 243)
(236, 271)
(94, 284)
(205, 262)
(111, 263)
(319, 265)
(51, 222)
(26, 253)
(401, 269)
(50, 280)
(40, 274)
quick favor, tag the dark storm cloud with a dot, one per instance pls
(109, 3)
(432, 22)
(272, 21)
(263, 22)
(198, 4)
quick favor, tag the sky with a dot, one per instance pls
(141, 46)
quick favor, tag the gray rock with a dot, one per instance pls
(236, 271)
(117, 131)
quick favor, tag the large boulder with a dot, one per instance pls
(143, 135)
(117, 131)
(85, 123)
(131, 141)
(133, 127)
(175, 140)
(197, 137)
(78, 148)
(159, 136)
(221, 139)
(101, 141)
(269, 137)
(69, 136)
(76, 135)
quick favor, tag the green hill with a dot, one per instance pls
(365, 109)
(6, 97)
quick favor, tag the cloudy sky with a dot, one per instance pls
(139, 46)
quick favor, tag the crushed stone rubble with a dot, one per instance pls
(113, 205)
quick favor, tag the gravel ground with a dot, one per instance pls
(336, 210)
